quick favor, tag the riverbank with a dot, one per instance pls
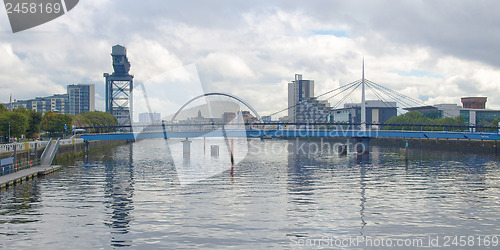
(66, 156)
(472, 146)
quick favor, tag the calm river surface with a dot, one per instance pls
(284, 194)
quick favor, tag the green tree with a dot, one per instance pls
(95, 119)
(54, 123)
(34, 121)
(408, 119)
(3, 109)
(18, 123)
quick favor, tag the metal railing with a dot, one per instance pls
(6, 148)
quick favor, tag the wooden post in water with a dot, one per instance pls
(232, 152)
(36, 153)
(406, 154)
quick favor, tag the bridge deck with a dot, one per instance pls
(298, 133)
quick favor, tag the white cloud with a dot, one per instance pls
(253, 50)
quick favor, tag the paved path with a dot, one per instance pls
(19, 176)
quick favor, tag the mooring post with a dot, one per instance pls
(15, 155)
(36, 153)
(363, 145)
(406, 154)
(186, 149)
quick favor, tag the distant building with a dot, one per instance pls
(228, 116)
(437, 111)
(248, 117)
(81, 98)
(377, 112)
(474, 102)
(266, 118)
(313, 111)
(148, 118)
(298, 90)
(57, 103)
(473, 110)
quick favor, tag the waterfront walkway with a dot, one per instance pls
(26, 174)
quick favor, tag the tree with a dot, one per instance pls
(34, 121)
(409, 118)
(3, 109)
(417, 118)
(96, 119)
(54, 123)
(18, 123)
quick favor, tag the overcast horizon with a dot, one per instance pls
(436, 51)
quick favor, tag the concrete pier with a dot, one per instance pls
(10, 180)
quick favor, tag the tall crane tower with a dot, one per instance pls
(119, 86)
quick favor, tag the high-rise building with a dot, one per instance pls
(81, 98)
(298, 90)
(148, 118)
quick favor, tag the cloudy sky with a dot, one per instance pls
(437, 51)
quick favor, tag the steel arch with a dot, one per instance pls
(216, 93)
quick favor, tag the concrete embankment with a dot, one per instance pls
(66, 154)
(473, 146)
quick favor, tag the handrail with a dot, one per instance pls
(54, 151)
(49, 144)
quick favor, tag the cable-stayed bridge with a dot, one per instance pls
(362, 131)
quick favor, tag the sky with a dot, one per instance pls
(435, 51)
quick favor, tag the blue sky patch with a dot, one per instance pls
(337, 33)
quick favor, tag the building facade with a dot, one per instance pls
(56, 103)
(377, 112)
(148, 118)
(473, 110)
(298, 90)
(81, 98)
(313, 111)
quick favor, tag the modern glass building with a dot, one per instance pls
(298, 90)
(81, 98)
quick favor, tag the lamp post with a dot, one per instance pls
(9, 133)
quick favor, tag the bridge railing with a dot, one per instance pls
(300, 126)
(19, 146)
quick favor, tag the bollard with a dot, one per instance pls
(214, 151)
(232, 152)
(342, 149)
(186, 149)
(406, 155)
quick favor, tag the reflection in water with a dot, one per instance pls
(119, 191)
(288, 191)
(362, 185)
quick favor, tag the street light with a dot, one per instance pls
(9, 133)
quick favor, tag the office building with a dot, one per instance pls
(148, 118)
(377, 112)
(81, 98)
(57, 103)
(473, 110)
(298, 90)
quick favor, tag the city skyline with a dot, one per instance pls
(436, 52)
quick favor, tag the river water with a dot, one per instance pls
(283, 194)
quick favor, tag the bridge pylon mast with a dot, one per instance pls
(363, 101)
